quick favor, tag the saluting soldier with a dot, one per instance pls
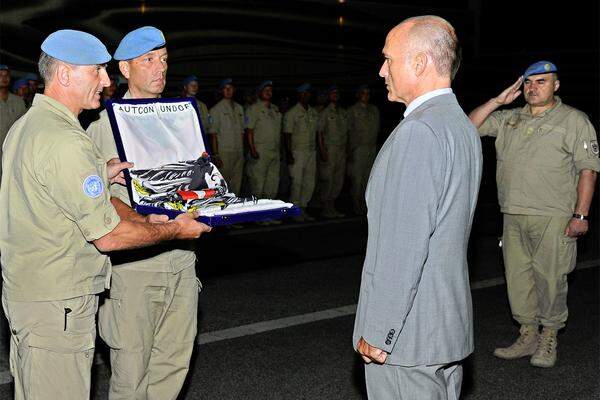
(263, 130)
(547, 162)
(300, 136)
(57, 218)
(149, 319)
(332, 139)
(226, 134)
(364, 126)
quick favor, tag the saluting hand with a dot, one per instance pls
(510, 93)
(370, 353)
(114, 170)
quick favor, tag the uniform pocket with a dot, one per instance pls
(65, 344)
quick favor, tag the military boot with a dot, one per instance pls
(545, 355)
(525, 345)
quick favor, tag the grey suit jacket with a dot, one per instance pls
(415, 300)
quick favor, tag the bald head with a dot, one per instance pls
(421, 55)
(434, 36)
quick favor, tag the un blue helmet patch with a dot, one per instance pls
(93, 186)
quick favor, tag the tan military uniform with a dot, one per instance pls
(333, 123)
(302, 125)
(10, 111)
(263, 173)
(538, 164)
(204, 116)
(53, 205)
(149, 320)
(227, 122)
(364, 125)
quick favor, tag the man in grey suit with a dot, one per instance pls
(414, 319)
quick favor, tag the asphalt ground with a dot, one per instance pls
(276, 318)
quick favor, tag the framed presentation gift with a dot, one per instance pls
(173, 172)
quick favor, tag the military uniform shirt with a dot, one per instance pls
(204, 118)
(266, 124)
(333, 122)
(158, 257)
(10, 111)
(539, 158)
(363, 121)
(227, 122)
(53, 204)
(302, 125)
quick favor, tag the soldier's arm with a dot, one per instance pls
(129, 234)
(287, 136)
(585, 191)
(250, 136)
(213, 130)
(508, 95)
(250, 123)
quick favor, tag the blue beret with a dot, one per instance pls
(20, 83)
(31, 77)
(362, 87)
(540, 67)
(305, 87)
(263, 85)
(189, 79)
(138, 42)
(75, 47)
(332, 88)
(3, 67)
(225, 82)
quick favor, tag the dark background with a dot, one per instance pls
(335, 42)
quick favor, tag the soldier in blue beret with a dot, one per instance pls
(300, 137)
(332, 137)
(21, 88)
(547, 167)
(57, 193)
(189, 88)
(263, 132)
(149, 320)
(364, 125)
(226, 135)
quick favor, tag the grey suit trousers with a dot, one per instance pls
(421, 382)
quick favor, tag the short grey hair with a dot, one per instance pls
(47, 66)
(437, 38)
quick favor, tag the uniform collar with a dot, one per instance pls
(44, 101)
(128, 96)
(423, 98)
(526, 110)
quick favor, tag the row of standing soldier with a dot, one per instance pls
(318, 145)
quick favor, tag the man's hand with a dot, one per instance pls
(510, 93)
(189, 228)
(576, 227)
(114, 170)
(157, 218)
(370, 353)
(254, 154)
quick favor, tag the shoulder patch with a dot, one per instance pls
(93, 186)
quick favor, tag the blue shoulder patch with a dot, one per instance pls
(93, 186)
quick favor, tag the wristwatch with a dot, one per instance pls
(580, 216)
